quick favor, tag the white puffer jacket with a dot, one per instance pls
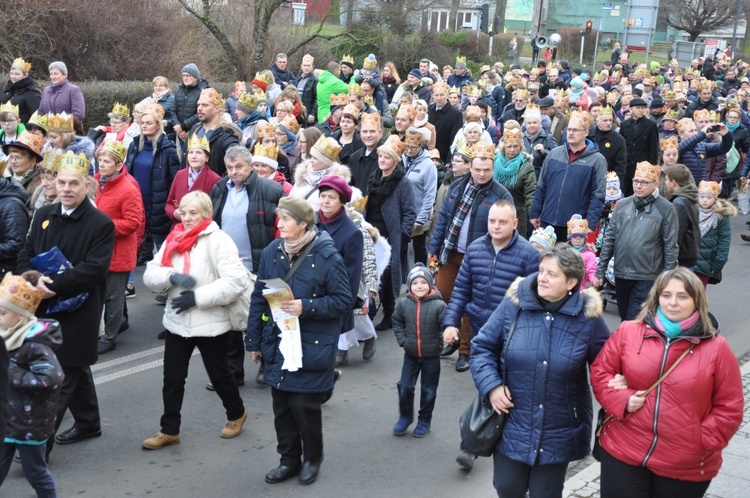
(220, 280)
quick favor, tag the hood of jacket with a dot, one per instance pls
(82, 145)
(689, 191)
(232, 129)
(724, 208)
(10, 188)
(522, 294)
(47, 332)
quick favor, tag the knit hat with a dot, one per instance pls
(19, 296)
(416, 74)
(613, 181)
(338, 184)
(299, 209)
(577, 226)
(545, 237)
(420, 271)
(192, 70)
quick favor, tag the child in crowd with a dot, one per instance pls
(416, 325)
(543, 238)
(35, 377)
(578, 229)
(10, 126)
(716, 232)
(611, 196)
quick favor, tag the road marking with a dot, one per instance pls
(126, 359)
(132, 370)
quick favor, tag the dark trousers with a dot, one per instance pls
(618, 479)
(446, 278)
(631, 294)
(430, 369)
(512, 479)
(387, 299)
(114, 305)
(236, 354)
(34, 467)
(177, 352)
(299, 425)
(419, 243)
(79, 394)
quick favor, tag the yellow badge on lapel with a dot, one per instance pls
(45, 224)
(607, 145)
(703, 156)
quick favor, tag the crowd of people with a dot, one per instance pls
(517, 194)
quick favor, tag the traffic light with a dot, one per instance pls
(485, 21)
(589, 25)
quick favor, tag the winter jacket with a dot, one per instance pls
(279, 178)
(121, 201)
(309, 94)
(459, 80)
(695, 150)
(25, 94)
(447, 122)
(31, 180)
(523, 192)
(477, 217)
(422, 174)
(167, 102)
(322, 285)
(697, 105)
(416, 324)
(186, 104)
(82, 145)
(328, 84)
(220, 280)
(35, 377)
(14, 223)
(685, 201)
(263, 199)
(485, 276)
(542, 138)
(565, 189)
(204, 183)
(164, 168)
(224, 136)
(286, 76)
(63, 97)
(362, 166)
(685, 422)
(642, 145)
(643, 243)
(714, 249)
(614, 149)
(546, 364)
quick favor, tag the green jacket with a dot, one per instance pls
(714, 250)
(328, 84)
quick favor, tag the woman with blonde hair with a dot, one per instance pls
(391, 80)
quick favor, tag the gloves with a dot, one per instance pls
(184, 301)
(182, 280)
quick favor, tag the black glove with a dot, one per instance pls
(184, 301)
(182, 280)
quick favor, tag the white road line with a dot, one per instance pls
(126, 359)
(132, 370)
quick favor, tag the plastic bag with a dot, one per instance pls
(744, 199)
(54, 262)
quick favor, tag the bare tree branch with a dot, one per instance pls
(316, 35)
(700, 16)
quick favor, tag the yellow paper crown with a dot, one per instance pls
(673, 114)
(155, 110)
(116, 148)
(395, 144)
(329, 147)
(408, 111)
(413, 137)
(645, 169)
(465, 150)
(31, 142)
(606, 110)
(266, 154)
(713, 116)
(340, 99)
(701, 115)
(712, 188)
(266, 130)
(51, 160)
(352, 111)
(370, 118)
(359, 204)
(577, 226)
(470, 89)
(249, 99)
(348, 58)
(669, 94)
(75, 163)
(369, 64)
(19, 296)
(454, 89)
(356, 90)
(483, 151)
(307, 58)
(583, 117)
(211, 96)
(369, 100)
(291, 124)
(612, 177)
(8, 107)
(460, 60)
(21, 64)
(703, 84)
(60, 123)
(532, 110)
(668, 143)
(37, 120)
(513, 136)
(121, 110)
(199, 143)
(473, 113)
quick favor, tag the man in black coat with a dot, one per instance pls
(186, 102)
(611, 144)
(221, 135)
(86, 237)
(281, 74)
(364, 162)
(446, 119)
(641, 141)
(307, 84)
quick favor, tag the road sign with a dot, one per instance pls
(607, 6)
(638, 23)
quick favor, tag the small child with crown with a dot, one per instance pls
(35, 378)
(578, 229)
(611, 196)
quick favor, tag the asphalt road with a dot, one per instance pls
(362, 457)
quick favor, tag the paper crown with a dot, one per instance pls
(308, 59)
(263, 78)
(51, 161)
(470, 90)
(440, 85)
(583, 117)
(21, 64)
(370, 118)
(668, 143)
(465, 150)
(265, 130)
(681, 124)
(347, 58)
(521, 93)
(75, 163)
(561, 98)
(326, 150)
(370, 63)
(338, 99)
(249, 99)
(545, 237)
(577, 226)
(714, 116)
(483, 151)
(8, 107)
(513, 136)
(369, 100)
(672, 114)
(395, 145)
(454, 89)
(351, 110)
(413, 137)
(645, 169)
(356, 90)
(37, 120)
(290, 123)
(706, 187)
(19, 296)
(473, 113)
(704, 84)
(121, 110)
(196, 142)
(612, 177)
(116, 148)
(669, 94)
(154, 110)
(408, 111)
(532, 111)
(460, 60)
(266, 154)
(701, 115)
(606, 110)
(211, 96)
(28, 141)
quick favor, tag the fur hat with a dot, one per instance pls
(420, 271)
(545, 237)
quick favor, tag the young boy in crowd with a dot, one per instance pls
(684, 196)
(416, 325)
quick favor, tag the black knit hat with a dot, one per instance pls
(420, 271)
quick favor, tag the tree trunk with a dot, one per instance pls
(500, 8)
(746, 40)
(453, 15)
(335, 11)
(349, 12)
(693, 36)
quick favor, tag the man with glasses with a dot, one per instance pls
(642, 237)
(642, 140)
(572, 181)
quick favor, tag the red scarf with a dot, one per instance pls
(323, 218)
(182, 241)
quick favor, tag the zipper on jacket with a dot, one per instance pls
(419, 332)
(656, 406)
(492, 277)
(562, 186)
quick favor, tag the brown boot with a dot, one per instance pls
(160, 440)
(234, 427)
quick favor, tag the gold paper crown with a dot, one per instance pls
(681, 124)
(645, 169)
(440, 85)
(338, 99)
(356, 90)
(583, 117)
(369, 64)
(155, 110)
(19, 296)
(668, 143)
(470, 89)
(22, 65)
(290, 123)
(37, 120)
(371, 118)
(51, 160)
(465, 150)
(483, 151)
(712, 188)
(352, 111)
(266, 130)
(532, 110)
(264, 77)
(8, 107)
(703, 84)
(121, 110)
(413, 137)
(473, 113)
(713, 116)
(369, 100)
(329, 147)
(408, 111)
(266, 154)
(577, 226)
(395, 144)
(31, 142)
(513, 136)
(460, 60)
(612, 177)
(75, 163)
(359, 204)
(348, 58)
(454, 89)
(212, 96)
(116, 148)
(701, 114)
(199, 143)
(669, 94)
(60, 123)
(606, 110)
(307, 58)
(673, 114)
(249, 99)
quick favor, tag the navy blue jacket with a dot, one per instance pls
(547, 378)
(695, 150)
(485, 276)
(322, 284)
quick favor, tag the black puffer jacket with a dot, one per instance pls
(186, 104)
(24, 93)
(416, 324)
(14, 223)
(35, 377)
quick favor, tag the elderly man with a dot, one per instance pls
(221, 135)
(642, 140)
(364, 162)
(642, 237)
(86, 237)
(281, 74)
(610, 143)
(446, 119)
(306, 87)
(417, 86)
(245, 208)
(462, 220)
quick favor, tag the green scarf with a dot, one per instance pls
(671, 328)
(506, 171)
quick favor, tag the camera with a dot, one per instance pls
(715, 128)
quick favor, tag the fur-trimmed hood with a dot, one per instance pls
(232, 129)
(521, 293)
(337, 170)
(724, 208)
(82, 145)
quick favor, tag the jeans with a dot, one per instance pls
(512, 479)
(430, 369)
(631, 294)
(34, 467)
(114, 305)
(299, 425)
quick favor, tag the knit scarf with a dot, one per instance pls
(733, 127)
(380, 188)
(181, 241)
(642, 202)
(506, 170)
(707, 221)
(248, 120)
(15, 335)
(287, 147)
(313, 177)
(292, 247)
(463, 208)
(673, 329)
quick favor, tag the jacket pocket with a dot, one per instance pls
(269, 343)
(318, 352)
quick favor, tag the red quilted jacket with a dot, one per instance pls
(121, 200)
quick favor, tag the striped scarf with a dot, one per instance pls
(467, 200)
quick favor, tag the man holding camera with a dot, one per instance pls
(695, 149)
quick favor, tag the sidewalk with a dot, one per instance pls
(733, 480)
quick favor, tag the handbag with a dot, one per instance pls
(602, 417)
(481, 426)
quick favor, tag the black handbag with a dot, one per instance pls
(481, 426)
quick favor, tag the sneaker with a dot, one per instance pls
(161, 298)
(160, 440)
(745, 237)
(462, 364)
(466, 459)
(234, 427)
(129, 291)
(369, 350)
(421, 429)
(402, 425)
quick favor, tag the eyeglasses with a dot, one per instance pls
(280, 133)
(575, 130)
(15, 158)
(9, 121)
(643, 182)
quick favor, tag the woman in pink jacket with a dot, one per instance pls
(667, 443)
